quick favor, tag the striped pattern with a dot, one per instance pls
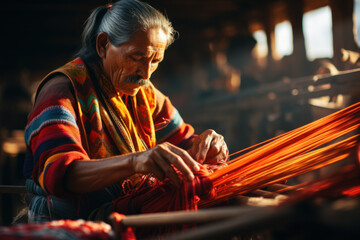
(95, 140)
(169, 126)
(53, 138)
(63, 127)
(50, 115)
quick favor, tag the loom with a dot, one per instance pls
(258, 171)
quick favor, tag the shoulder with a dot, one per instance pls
(57, 86)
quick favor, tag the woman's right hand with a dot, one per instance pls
(161, 160)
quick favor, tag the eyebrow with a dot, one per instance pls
(138, 53)
(141, 54)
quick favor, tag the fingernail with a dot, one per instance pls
(197, 167)
(192, 177)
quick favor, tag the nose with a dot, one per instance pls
(145, 70)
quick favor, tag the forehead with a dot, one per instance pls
(152, 40)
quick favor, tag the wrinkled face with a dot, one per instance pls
(130, 65)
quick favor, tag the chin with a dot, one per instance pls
(130, 92)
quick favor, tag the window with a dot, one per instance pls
(317, 28)
(261, 48)
(283, 39)
(357, 21)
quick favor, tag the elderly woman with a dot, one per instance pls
(99, 126)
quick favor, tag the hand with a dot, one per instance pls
(161, 161)
(209, 147)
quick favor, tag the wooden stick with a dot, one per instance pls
(186, 217)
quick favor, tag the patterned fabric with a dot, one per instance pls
(93, 114)
(53, 138)
(164, 197)
(68, 124)
(59, 230)
(141, 106)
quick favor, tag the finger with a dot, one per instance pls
(220, 157)
(204, 148)
(189, 161)
(165, 169)
(175, 157)
(185, 156)
(215, 160)
(226, 152)
(216, 146)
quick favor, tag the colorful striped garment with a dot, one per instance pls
(66, 124)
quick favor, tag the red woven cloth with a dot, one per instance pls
(165, 197)
(58, 230)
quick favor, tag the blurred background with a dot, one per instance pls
(249, 69)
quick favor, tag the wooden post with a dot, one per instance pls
(342, 22)
(268, 23)
(298, 58)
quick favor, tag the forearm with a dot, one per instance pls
(83, 176)
(86, 176)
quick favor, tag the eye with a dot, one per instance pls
(155, 61)
(136, 58)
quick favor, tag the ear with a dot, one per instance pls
(102, 41)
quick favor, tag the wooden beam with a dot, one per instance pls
(186, 217)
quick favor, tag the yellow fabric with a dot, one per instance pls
(136, 134)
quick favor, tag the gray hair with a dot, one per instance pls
(120, 21)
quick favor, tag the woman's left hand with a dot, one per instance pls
(209, 147)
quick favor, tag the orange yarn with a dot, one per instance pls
(288, 155)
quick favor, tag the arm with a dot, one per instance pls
(87, 176)
(52, 136)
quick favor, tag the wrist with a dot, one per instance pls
(133, 163)
(187, 144)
